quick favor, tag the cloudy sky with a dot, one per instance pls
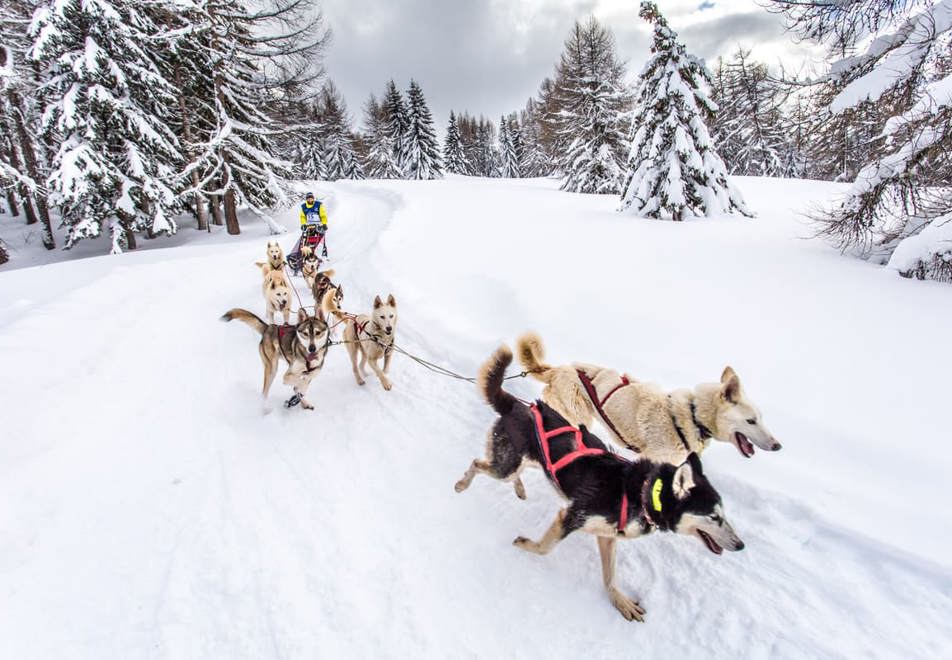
(489, 56)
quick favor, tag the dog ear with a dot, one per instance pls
(391, 300)
(378, 302)
(683, 480)
(302, 315)
(695, 462)
(273, 285)
(730, 386)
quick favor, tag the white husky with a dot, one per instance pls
(369, 335)
(664, 426)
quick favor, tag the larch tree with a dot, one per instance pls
(673, 166)
(898, 210)
(593, 102)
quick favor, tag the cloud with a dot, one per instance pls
(489, 56)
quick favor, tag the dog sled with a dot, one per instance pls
(312, 240)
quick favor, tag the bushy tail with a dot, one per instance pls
(245, 317)
(531, 355)
(329, 273)
(330, 306)
(490, 380)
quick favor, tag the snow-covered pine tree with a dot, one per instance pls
(750, 128)
(593, 101)
(398, 124)
(454, 156)
(420, 154)
(117, 163)
(509, 165)
(20, 115)
(674, 168)
(898, 210)
(340, 156)
(380, 162)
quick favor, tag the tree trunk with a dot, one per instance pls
(130, 239)
(32, 168)
(201, 211)
(231, 212)
(12, 203)
(21, 189)
(4, 255)
(215, 203)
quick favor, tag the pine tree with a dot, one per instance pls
(534, 159)
(592, 102)
(750, 128)
(674, 168)
(420, 153)
(340, 156)
(398, 124)
(454, 156)
(898, 209)
(20, 118)
(116, 166)
(509, 165)
(380, 162)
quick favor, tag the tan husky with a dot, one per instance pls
(370, 336)
(664, 426)
(303, 347)
(275, 257)
(277, 294)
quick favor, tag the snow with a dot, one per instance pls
(148, 509)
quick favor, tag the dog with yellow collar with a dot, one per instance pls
(609, 496)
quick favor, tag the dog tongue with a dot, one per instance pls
(744, 445)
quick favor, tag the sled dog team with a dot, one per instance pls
(608, 496)
(304, 345)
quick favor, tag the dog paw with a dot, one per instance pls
(388, 386)
(361, 381)
(460, 486)
(306, 405)
(630, 609)
(522, 542)
(520, 490)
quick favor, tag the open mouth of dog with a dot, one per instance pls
(744, 446)
(710, 543)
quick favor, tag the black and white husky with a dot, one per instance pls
(609, 496)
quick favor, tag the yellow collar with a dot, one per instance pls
(656, 494)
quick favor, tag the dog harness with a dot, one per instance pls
(578, 450)
(703, 432)
(599, 404)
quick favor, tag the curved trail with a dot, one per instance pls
(150, 511)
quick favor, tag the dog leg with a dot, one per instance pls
(352, 349)
(387, 385)
(363, 361)
(301, 389)
(630, 609)
(476, 466)
(519, 487)
(387, 354)
(557, 531)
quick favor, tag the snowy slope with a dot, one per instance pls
(148, 509)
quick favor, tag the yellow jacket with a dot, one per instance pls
(307, 210)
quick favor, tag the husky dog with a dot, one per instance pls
(640, 416)
(303, 347)
(309, 266)
(609, 497)
(275, 258)
(369, 335)
(321, 283)
(277, 294)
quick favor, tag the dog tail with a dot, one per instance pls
(329, 273)
(531, 355)
(245, 317)
(491, 376)
(330, 306)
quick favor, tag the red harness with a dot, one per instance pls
(600, 404)
(579, 450)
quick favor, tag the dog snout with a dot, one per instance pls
(739, 546)
(311, 348)
(775, 446)
(389, 329)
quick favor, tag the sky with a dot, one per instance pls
(489, 56)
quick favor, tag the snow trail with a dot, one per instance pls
(150, 510)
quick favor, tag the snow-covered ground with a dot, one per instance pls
(148, 509)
